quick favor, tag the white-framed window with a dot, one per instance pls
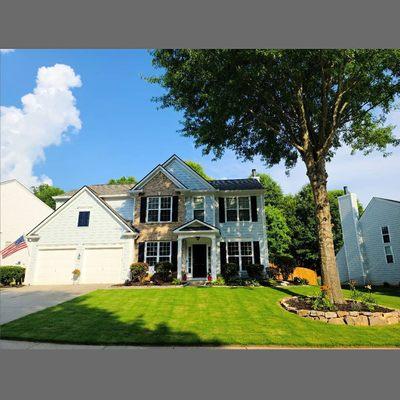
(237, 208)
(156, 252)
(198, 208)
(159, 209)
(240, 253)
(385, 234)
(389, 255)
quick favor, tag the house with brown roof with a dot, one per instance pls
(172, 214)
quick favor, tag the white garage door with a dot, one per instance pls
(102, 265)
(55, 266)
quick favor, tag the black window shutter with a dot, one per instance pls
(223, 253)
(254, 216)
(256, 247)
(174, 255)
(141, 252)
(175, 205)
(143, 205)
(221, 201)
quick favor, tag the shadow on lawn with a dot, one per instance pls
(75, 322)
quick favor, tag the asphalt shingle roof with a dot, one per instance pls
(104, 190)
(236, 184)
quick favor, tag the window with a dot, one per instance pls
(385, 234)
(240, 253)
(198, 208)
(237, 208)
(389, 254)
(159, 209)
(156, 252)
(83, 218)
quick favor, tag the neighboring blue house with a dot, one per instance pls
(173, 214)
(371, 250)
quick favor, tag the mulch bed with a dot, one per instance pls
(305, 303)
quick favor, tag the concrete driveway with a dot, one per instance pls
(18, 302)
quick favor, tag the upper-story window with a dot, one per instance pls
(198, 208)
(159, 209)
(389, 254)
(237, 208)
(385, 234)
(83, 218)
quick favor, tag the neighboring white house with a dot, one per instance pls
(371, 249)
(21, 210)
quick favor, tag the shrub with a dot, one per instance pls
(139, 271)
(255, 271)
(229, 271)
(285, 265)
(10, 274)
(386, 285)
(163, 271)
(220, 281)
(271, 282)
(300, 281)
(176, 281)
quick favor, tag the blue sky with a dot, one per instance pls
(113, 128)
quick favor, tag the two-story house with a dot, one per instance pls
(371, 242)
(173, 214)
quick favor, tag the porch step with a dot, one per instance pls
(196, 283)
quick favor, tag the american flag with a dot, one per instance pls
(19, 244)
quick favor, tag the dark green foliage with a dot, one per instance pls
(46, 192)
(139, 271)
(124, 180)
(11, 274)
(163, 271)
(273, 192)
(285, 264)
(229, 271)
(255, 271)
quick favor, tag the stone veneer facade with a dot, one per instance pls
(159, 185)
(357, 318)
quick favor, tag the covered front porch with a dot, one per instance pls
(198, 250)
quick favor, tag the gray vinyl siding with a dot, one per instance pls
(378, 214)
(209, 209)
(123, 207)
(342, 266)
(188, 178)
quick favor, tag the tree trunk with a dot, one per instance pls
(316, 171)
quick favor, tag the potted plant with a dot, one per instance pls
(184, 276)
(76, 274)
(209, 278)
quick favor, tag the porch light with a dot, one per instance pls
(197, 238)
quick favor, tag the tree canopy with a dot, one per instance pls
(124, 180)
(198, 168)
(285, 105)
(46, 192)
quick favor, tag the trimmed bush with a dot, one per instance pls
(163, 272)
(229, 271)
(10, 274)
(255, 271)
(139, 271)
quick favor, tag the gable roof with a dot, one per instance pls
(102, 190)
(159, 168)
(195, 225)
(189, 169)
(126, 223)
(28, 191)
(394, 201)
(236, 184)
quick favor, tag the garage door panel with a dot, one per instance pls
(102, 265)
(55, 266)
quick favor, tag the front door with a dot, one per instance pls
(199, 261)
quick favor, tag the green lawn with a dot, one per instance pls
(194, 316)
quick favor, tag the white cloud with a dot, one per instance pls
(45, 118)
(367, 176)
(5, 51)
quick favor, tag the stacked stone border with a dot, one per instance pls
(357, 318)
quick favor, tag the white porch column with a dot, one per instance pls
(179, 258)
(214, 258)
